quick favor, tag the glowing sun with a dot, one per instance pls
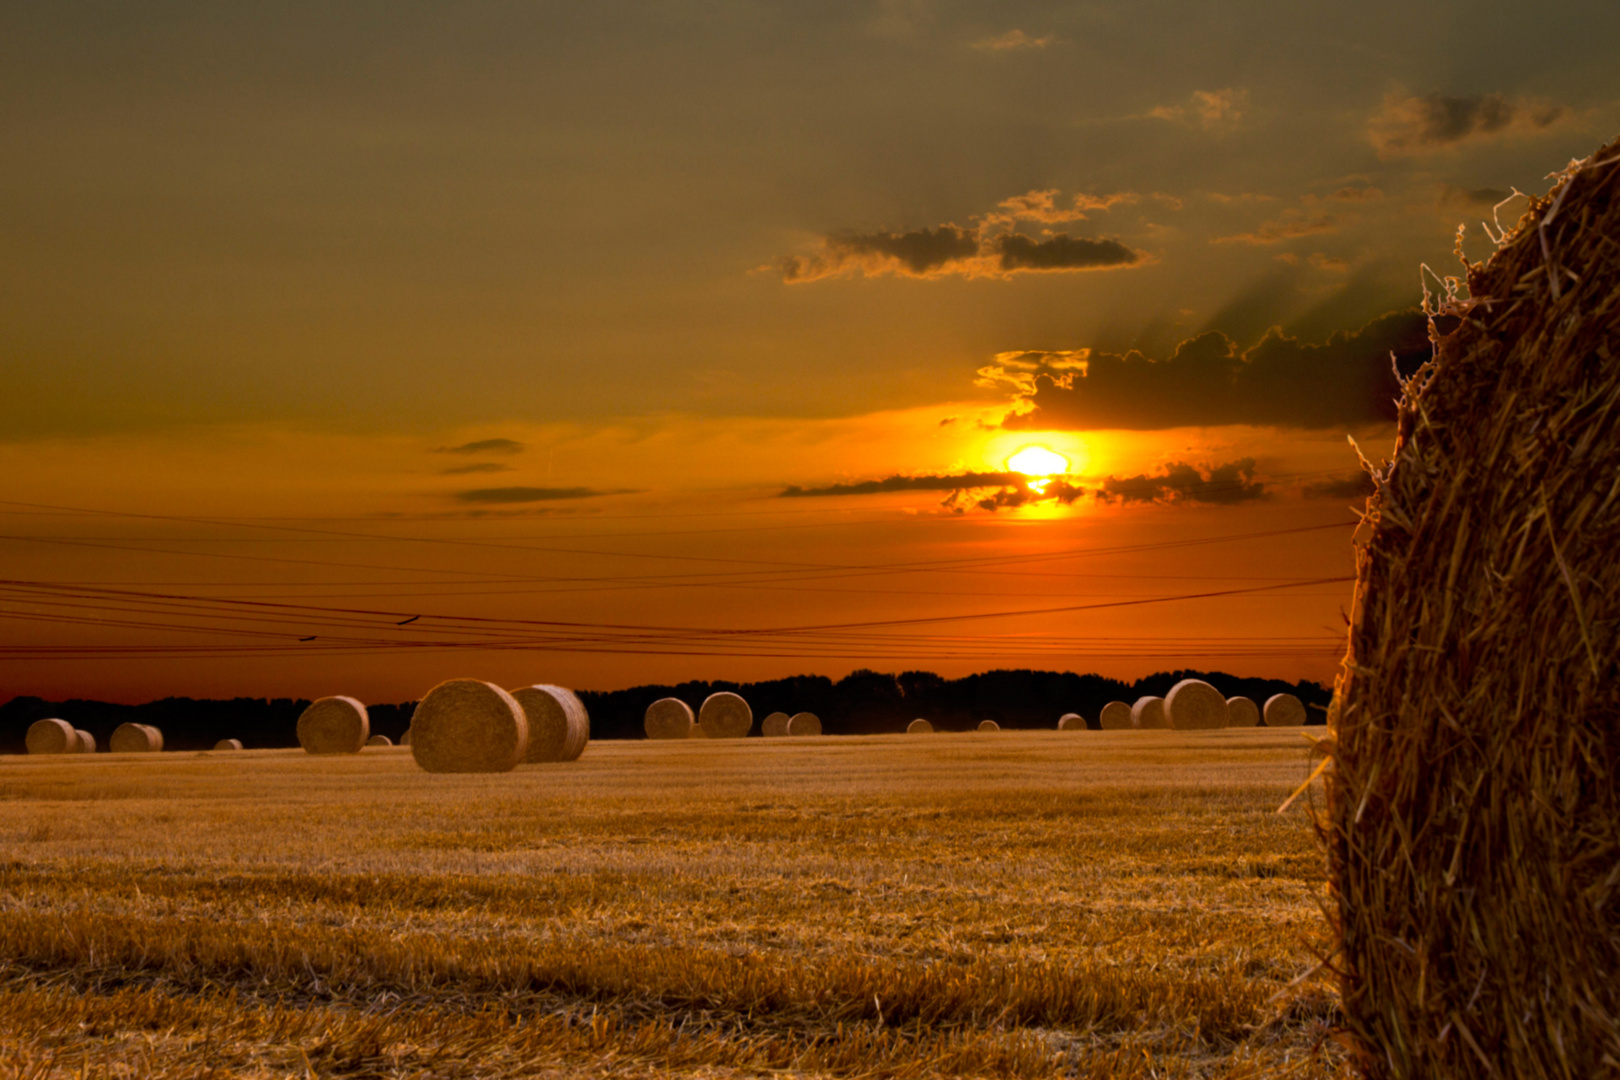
(1038, 461)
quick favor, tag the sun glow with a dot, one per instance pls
(1040, 464)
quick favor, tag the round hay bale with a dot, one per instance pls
(725, 715)
(669, 718)
(1243, 711)
(1148, 712)
(1116, 716)
(334, 725)
(1472, 817)
(51, 737)
(468, 726)
(697, 732)
(228, 744)
(379, 740)
(1284, 710)
(1194, 705)
(405, 739)
(559, 727)
(919, 726)
(989, 725)
(804, 723)
(135, 739)
(774, 725)
(1071, 722)
(87, 741)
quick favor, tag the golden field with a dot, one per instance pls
(1026, 904)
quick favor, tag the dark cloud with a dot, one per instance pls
(956, 482)
(1472, 198)
(484, 446)
(1018, 495)
(529, 494)
(920, 253)
(1062, 252)
(1209, 380)
(480, 467)
(1179, 482)
(1355, 487)
(1410, 124)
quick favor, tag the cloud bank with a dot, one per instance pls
(1209, 380)
(529, 494)
(1178, 481)
(1410, 124)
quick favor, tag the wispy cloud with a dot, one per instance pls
(1014, 40)
(530, 494)
(1212, 110)
(484, 446)
(480, 467)
(1288, 227)
(1409, 124)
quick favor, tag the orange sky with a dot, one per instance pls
(521, 322)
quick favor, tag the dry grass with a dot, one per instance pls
(1026, 904)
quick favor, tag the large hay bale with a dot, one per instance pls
(1071, 722)
(51, 737)
(379, 740)
(804, 723)
(1148, 712)
(135, 739)
(1116, 716)
(988, 725)
(334, 725)
(1243, 711)
(559, 727)
(228, 744)
(1284, 710)
(1194, 705)
(669, 718)
(725, 715)
(919, 726)
(1472, 811)
(774, 725)
(468, 726)
(87, 741)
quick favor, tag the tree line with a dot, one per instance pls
(862, 703)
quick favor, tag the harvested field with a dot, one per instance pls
(1126, 905)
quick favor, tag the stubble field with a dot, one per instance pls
(1018, 904)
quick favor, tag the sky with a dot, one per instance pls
(347, 348)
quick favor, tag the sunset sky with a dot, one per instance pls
(349, 347)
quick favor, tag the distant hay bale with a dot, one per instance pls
(725, 715)
(1284, 710)
(1116, 716)
(1473, 814)
(989, 725)
(559, 727)
(87, 741)
(228, 744)
(468, 726)
(379, 740)
(804, 723)
(135, 739)
(1194, 705)
(334, 725)
(405, 739)
(669, 718)
(1244, 712)
(774, 725)
(1071, 722)
(1148, 712)
(52, 737)
(697, 733)
(919, 726)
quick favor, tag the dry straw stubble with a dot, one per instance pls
(804, 723)
(1473, 818)
(334, 725)
(1148, 712)
(668, 718)
(51, 736)
(468, 726)
(1116, 716)
(559, 727)
(725, 715)
(1243, 711)
(1194, 705)
(775, 725)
